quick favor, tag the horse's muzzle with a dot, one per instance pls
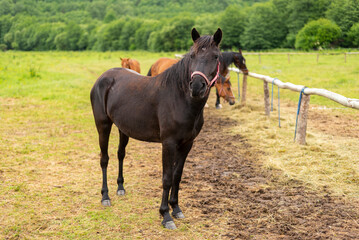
(197, 87)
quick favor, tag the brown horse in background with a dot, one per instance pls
(167, 109)
(224, 90)
(161, 65)
(223, 85)
(131, 64)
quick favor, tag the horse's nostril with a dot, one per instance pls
(203, 85)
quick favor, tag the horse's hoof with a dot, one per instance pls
(178, 215)
(169, 225)
(121, 192)
(219, 106)
(106, 203)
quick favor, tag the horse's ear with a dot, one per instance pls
(195, 35)
(217, 37)
(240, 51)
(121, 58)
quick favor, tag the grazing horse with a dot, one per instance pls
(167, 109)
(223, 86)
(161, 65)
(131, 64)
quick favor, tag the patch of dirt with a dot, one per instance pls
(257, 203)
(335, 125)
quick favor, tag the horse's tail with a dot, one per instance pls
(149, 72)
(99, 94)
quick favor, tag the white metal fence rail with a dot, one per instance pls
(302, 123)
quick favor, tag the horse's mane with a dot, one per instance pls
(179, 74)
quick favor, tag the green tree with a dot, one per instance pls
(345, 13)
(318, 34)
(5, 25)
(206, 25)
(19, 35)
(301, 12)
(69, 39)
(5, 7)
(143, 33)
(264, 29)
(127, 37)
(353, 35)
(232, 22)
(108, 36)
(97, 9)
(110, 16)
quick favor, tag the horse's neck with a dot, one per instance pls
(228, 59)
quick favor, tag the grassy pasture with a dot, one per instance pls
(49, 169)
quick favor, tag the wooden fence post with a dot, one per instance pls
(302, 120)
(259, 58)
(266, 98)
(288, 58)
(345, 57)
(244, 90)
(317, 57)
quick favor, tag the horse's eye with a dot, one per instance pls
(215, 56)
(228, 89)
(192, 55)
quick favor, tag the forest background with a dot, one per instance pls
(158, 25)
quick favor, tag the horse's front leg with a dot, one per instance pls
(218, 102)
(181, 156)
(168, 158)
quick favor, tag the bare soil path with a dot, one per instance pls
(223, 179)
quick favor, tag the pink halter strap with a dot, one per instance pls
(209, 83)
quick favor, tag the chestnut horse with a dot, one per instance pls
(167, 109)
(131, 64)
(223, 85)
(224, 90)
(161, 65)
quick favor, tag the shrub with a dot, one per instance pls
(3, 47)
(353, 35)
(318, 34)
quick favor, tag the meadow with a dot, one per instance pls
(49, 169)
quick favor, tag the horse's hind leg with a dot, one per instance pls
(121, 155)
(104, 131)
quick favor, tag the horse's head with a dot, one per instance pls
(125, 62)
(224, 89)
(204, 63)
(240, 62)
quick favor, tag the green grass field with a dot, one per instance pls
(49, 169)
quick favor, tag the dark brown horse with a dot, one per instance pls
(167, 109)
(161, 65)
(223, 85)
(131, 64)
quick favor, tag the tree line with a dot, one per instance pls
(157, 25)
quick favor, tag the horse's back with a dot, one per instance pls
(131, 103)
(135, 65)
(162, 65)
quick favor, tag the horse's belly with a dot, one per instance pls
(140, 134)
(139, 125)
